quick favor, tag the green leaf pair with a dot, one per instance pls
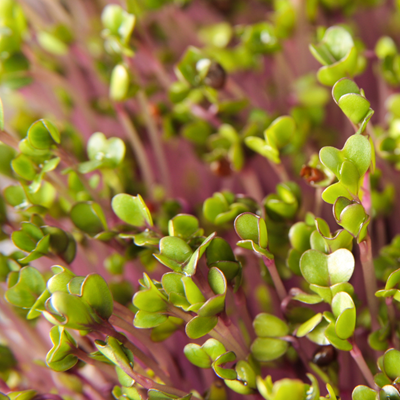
(325, 328)
(35, 159)
(314, 234)
(76, 302)
(252, 231)
(219, 254)
(43, 135)
(344, 311)
(118, 27)
(60, 357)
(338, 55)
(277, 136)
(23, 199)
(103, 153)
(25, 287)
(25, 168)
(352, 217)
(184, 293)
(205, 355)
(352, 102)
(328, 274)
(227, 144)
(285, 203)
(349, 165)
(32, 240)
(269, 346)
(212, 354)
(175, 253)
(224, 207)
(152, 305)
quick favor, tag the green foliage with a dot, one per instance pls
(229, 310)
(352, 102)
(276, 138)
(61, 357)
(224, 207)
(337, 53)
(103, 153)
(285, 203)
(349, 166)
(132, 210)
(268, 345)
(252, 231)
(118, 27)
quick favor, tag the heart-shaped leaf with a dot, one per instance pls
(357, 150)
(70, 311)
(224, 373)
(110, 152)
(197, 355)
(330, 74)
(326, 270)
(60, 357)
(59, 281)
(29, 285)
